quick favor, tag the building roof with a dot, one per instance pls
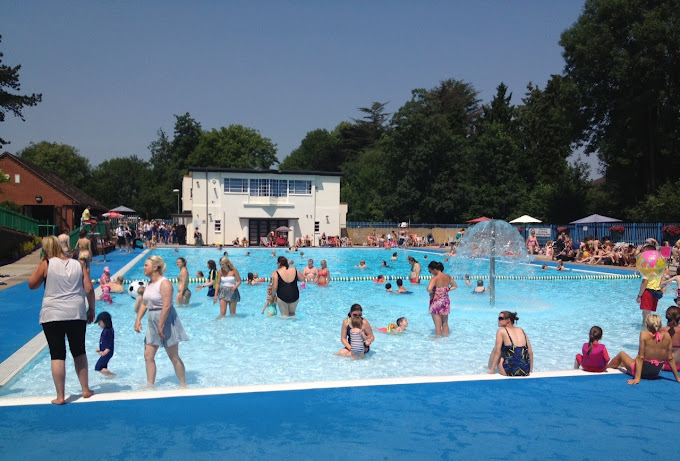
(77, 195)
(262, 171)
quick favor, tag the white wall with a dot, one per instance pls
(203, 194)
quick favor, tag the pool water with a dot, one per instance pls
(253, 348)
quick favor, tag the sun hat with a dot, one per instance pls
(106, 269)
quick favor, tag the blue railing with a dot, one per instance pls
(634, 233)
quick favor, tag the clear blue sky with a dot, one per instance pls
(112, 73)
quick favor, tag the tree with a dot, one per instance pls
(235, 146)
(61, 159)
(428, 154)
(126, 180)
(10, 102)
(318, 151)
(363, 186)
(664, 206)
(623, 59)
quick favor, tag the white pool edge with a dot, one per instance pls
(302, 386)
(13, 364)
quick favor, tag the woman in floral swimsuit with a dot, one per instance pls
(440, 305)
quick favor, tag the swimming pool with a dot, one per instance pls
(255, 349)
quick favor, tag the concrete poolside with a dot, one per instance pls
(569, 415)
(578, 417)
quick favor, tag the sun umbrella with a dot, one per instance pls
(112, 214)
(475, 221)
(122, 209)
(526, 219)
(595, 218)
(283, 229)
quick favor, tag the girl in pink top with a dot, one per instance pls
(595, 356)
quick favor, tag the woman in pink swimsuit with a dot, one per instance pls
(324, 275)
(672, 328)
(440, 305)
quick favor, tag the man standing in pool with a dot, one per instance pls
(310, 273)
(183, 291)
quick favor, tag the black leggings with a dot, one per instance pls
(74, 330)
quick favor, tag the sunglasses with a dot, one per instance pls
(356, 315)
(502, 318)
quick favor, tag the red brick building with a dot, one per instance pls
(44, 195)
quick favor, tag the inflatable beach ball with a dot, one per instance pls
(134, 286)
(650, 263)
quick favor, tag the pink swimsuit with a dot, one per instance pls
(440, 304)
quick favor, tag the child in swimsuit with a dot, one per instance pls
(106, 341)
(357, 336)
(270, 304)
(106, 295)
(595, 356)
(398, 327)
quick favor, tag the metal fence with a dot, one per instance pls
(18, 222)
(634, 233)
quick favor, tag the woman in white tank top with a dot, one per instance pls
(64, 314)
(163, 328)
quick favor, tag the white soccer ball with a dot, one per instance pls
(134, 286)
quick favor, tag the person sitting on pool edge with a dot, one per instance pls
(515, 358)
(655, 348)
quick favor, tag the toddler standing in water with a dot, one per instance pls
(106, 341)
(270, 304)
(357, 336)
(595, 356)
(106, 295)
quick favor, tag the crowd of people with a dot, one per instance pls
(597, 252)
(68, 285)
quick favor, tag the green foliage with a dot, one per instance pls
(12, 206)
(318, 152)
(61, 159)
(623, 60)
(363, 185)
(10, 102)
(664, 206)
(125, 180)
(235, 146)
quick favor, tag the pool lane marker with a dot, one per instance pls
(15, 362)
(147, 394)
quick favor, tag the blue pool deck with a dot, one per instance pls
(569, 415)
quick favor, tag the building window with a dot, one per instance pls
(316, 226)
(17, 178)
(235, 185)
(298, 187)
(279, 187)
(218, 226)
(268, 187)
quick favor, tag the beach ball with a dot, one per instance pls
(134, 286)
(650, 263)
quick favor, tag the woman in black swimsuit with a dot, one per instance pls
(355, 311)
(284, 284)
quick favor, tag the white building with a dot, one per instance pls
(226, 203)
